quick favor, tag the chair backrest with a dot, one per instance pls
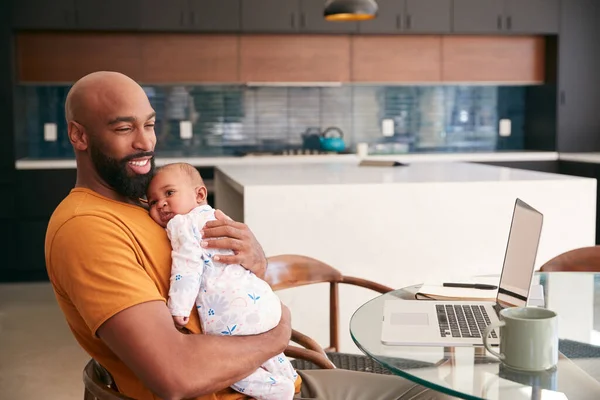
(584, 259)
(99, 385)
(292, 270)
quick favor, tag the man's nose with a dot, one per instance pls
(144, 141)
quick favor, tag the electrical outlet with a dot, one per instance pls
(185, 129)
(505, 128)
(387, 127)
(50, 133)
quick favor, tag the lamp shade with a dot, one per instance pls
(350, 10)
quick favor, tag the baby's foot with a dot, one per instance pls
(181, 321)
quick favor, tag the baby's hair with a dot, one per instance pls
(188, 169)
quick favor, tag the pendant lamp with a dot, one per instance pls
(350, 10)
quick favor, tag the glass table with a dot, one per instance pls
(472, 373)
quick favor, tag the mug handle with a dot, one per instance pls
(486, 335)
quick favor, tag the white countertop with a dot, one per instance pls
(311, 159)
(593, 158)
(352, 174)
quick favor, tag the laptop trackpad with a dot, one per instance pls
(409, 318)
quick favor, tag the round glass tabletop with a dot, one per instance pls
(472, 373)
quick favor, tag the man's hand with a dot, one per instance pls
(225, 233)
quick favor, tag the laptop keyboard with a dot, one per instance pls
(466, 321)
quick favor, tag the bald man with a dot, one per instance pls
(109, 264)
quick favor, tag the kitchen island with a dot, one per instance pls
(397, 225)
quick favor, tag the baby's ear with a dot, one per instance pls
(201, 194)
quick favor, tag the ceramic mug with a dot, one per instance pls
(528, 338)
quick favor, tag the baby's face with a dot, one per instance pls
(170, 193)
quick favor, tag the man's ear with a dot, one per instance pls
(201, 194)
(77, 136)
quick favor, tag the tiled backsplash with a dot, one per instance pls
(233, 119)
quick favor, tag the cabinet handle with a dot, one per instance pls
(398, 22)
(499, 22)
(408, 18)
(563, 98)
(509, 22)
(293, 20)
(302, 20)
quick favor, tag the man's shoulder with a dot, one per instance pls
(86, 209)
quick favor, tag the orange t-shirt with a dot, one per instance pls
(102, 257)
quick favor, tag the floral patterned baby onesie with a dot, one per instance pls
(230, 301)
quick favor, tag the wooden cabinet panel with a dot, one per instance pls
(298, 58)
(428, 16)
(396, 58)
(493, 59)
(63, 57)
(170, 58)
(215, 15)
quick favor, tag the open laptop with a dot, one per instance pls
(461, 323)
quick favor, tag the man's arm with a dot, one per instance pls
(174, 365)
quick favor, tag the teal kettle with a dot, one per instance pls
(332, 139)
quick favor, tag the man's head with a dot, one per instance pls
(111, 127)
(175, 189)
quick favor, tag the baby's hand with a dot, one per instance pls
(181, 321)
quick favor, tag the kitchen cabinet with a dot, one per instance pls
(43, 14)
(289, 16)
(578, 125)
(493, 59)
(295, 58)
(108, 15)
(506, 16)
(410, 16)
(383, 58)
(192, 58)
(65, 57)
(270, 15)
(191, 15)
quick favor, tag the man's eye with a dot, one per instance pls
(152, 203)
(123, 130)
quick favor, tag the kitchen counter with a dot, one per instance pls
(398, 225)
(310, 159)
(592, 158)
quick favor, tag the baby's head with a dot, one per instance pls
(175, 189)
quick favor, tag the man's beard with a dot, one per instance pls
(114, 173)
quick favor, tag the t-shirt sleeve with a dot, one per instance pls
(95, 265)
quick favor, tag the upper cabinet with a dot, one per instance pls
(43, 14)
(270, 15)
(506, 16)
(290, 16)
(533, 16)
(108, 15)
(410, 16)
(191, 15)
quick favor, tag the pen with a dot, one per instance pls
(471, 286)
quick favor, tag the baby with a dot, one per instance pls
(230, 299)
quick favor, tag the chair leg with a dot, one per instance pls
(87, 395)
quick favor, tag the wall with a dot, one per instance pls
(232, 119)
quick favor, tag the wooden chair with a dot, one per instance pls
(290, 270)
(584, 259)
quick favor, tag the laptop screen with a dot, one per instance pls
(519, 260)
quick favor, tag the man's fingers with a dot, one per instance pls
(224, 222)
(229, 260)
(223, 243)
(221, 215)
(222, 231)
